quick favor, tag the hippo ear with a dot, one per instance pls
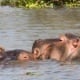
(2, 49)
(36, 52)
(63, 38)
(75, 43)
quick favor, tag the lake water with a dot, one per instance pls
(19, 28)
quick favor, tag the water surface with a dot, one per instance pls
(18, 30)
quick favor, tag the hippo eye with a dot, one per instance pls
(26, 57)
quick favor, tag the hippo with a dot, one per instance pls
(17, 54)
(64, 48)
(40, 47)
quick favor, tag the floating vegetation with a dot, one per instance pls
(40, 3)
(73, 5)
(32, 74)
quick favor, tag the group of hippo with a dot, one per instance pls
(64, 48)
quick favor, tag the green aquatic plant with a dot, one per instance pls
(73, 5)
(32, 74)
(40, 3)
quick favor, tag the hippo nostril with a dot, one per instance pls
(75, 44)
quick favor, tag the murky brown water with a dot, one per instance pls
(18, 30)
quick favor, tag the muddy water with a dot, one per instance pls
(18, 30)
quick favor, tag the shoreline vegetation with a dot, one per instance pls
(41, 3)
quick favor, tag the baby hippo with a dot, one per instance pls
(17, 54)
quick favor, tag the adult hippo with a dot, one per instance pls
(40, 47)
(66, 47)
